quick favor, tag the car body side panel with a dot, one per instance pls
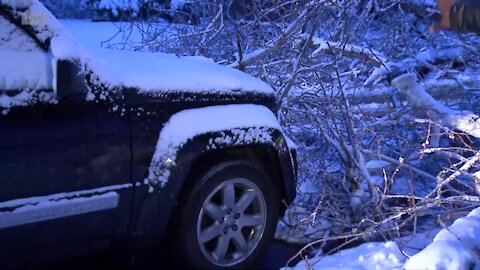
(56, 150)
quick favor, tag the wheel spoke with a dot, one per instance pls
(210, 233)
(213, 210)
(239, 242)
(246, 199)
(228, 195)
(222, 247)
(250, 220)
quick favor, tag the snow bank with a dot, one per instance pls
(375, 255)
(455, 247)
(247, 123)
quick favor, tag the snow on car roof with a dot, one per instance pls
(149, 72)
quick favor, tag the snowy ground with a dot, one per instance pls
(454, 247)
(373, 255)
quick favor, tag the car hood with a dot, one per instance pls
(158, 73)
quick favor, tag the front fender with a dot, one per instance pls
(175, 156)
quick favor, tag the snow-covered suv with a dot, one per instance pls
(98, 147)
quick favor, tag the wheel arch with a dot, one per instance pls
(198, 155)
(261, 155)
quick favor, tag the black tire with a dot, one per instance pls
(188, 252)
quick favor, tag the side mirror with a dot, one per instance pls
(70, 81)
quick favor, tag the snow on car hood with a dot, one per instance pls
(158, 72)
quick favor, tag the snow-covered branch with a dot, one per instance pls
(209, 28)
(248, 58)
(349, 50)
(463, 121)
(399, 163)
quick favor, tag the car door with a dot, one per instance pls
(64, 161)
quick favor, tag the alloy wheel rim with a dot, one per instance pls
(231, 222)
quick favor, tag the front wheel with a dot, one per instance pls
(229, 217)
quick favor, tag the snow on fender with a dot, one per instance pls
(246, 123)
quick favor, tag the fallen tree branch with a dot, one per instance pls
(463, 121)
(396, 162)
(349, 50)
(249, 58)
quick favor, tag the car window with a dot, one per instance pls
(26, 74)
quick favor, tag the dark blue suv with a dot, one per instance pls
(135, 149)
